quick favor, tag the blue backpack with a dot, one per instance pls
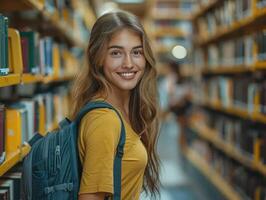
(52, 169)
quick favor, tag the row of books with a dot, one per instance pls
(232, 52)
(21, 120)
(3, 45)
(39, 55)
(224, 16)
(240, 92)
(245, 137)
(44, 56)
(247, 183)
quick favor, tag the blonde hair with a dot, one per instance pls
(91, 82)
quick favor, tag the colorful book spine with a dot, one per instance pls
(2, 133)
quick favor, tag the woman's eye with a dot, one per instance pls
(137, 52)
(115, 53)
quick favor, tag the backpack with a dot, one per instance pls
(52, 169)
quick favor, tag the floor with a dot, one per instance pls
(176, 185)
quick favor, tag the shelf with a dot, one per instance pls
(213, 137)
(171, 16)
(50, 79)
(234, 111)
(228, 70)
(30, 78)
(236, 28)
(11, 79)
(13, 158)
(211, 175)
(168, 31)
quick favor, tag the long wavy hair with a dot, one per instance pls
(90, 83)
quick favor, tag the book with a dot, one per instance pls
(31, 39)
(16, 178)
(29, 106)
(4, 70)
(2, 133)
(13, 134)
(8, 184)
(4, 194)
(25, 54)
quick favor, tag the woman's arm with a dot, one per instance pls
(92, 196)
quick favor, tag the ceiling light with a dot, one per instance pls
(179, 52)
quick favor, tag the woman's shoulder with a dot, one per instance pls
(102, 115)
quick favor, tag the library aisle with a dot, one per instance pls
(211, 63)
(176, 184)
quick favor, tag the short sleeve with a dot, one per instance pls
(99, 135)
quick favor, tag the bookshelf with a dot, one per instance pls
(59, 25)
(211, 175)
(213, 137)
(42, 54)
(229, 53)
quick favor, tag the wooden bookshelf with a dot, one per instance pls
(11, 79)
(52, 20)
(238, 26)
(220, 183)
(13, 158)
(213, 137)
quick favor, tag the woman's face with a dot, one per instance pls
(124, 62)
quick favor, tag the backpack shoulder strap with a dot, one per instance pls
(120, 147)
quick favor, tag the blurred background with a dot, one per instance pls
(211, 61)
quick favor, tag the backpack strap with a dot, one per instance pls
(120, 147)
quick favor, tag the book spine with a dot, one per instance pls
(2, 133)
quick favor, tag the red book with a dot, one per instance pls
(25, 54)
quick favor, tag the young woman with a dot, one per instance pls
(120, 70)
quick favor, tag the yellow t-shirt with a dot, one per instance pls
(98, 138)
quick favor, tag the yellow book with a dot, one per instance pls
(56, 60)
(256, 150)
(13, 130)
(14, 52)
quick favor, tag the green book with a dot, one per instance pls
(32, 38)
(4, 45)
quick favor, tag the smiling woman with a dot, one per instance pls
(121, 71)
(124, 63)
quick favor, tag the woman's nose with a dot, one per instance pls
(128, 62)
